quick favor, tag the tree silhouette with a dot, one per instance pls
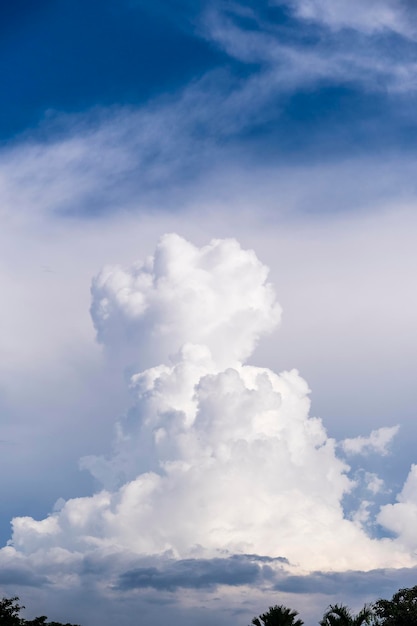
(9, 612)
(401, 610)
(340, 615)
(10, 615)
(278, 615)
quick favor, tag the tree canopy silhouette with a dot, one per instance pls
(9, 612)
(10, 615)
(401, 610)
(340, 615)
(278, 615)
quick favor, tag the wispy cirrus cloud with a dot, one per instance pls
(90, 162)
(322, 56)
(375, 16)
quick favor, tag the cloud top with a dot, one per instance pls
(217, 296)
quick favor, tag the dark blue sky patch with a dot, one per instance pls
(328, 122)
(73, 55)
(18, 14)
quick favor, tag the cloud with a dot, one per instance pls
(377, 442)
(329, 55)
(215, 456)
(55, 384)
(18, 573)
(374, 583)
(373, 482)
(193, 574)
(216, 296)
(96, 540)
(401, 517)
(374, 16)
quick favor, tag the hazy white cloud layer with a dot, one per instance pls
(218, 474)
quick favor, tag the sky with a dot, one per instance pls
(207, 322)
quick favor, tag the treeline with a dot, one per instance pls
(401, 610)
(10, 615)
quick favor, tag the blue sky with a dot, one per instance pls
(69, 57)
(128, 394)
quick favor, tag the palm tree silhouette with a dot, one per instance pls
(340, 615)
(278, 615)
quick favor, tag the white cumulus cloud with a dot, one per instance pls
(216, 296)
(401, 517)
(378, 441)
(215, 457)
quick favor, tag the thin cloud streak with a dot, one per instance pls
(344, 57)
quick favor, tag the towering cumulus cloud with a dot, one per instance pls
(215, 296)
(217, 460)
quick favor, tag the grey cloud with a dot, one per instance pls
(265, 559)
(195, 574)
(377, 582)
(21, 576)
